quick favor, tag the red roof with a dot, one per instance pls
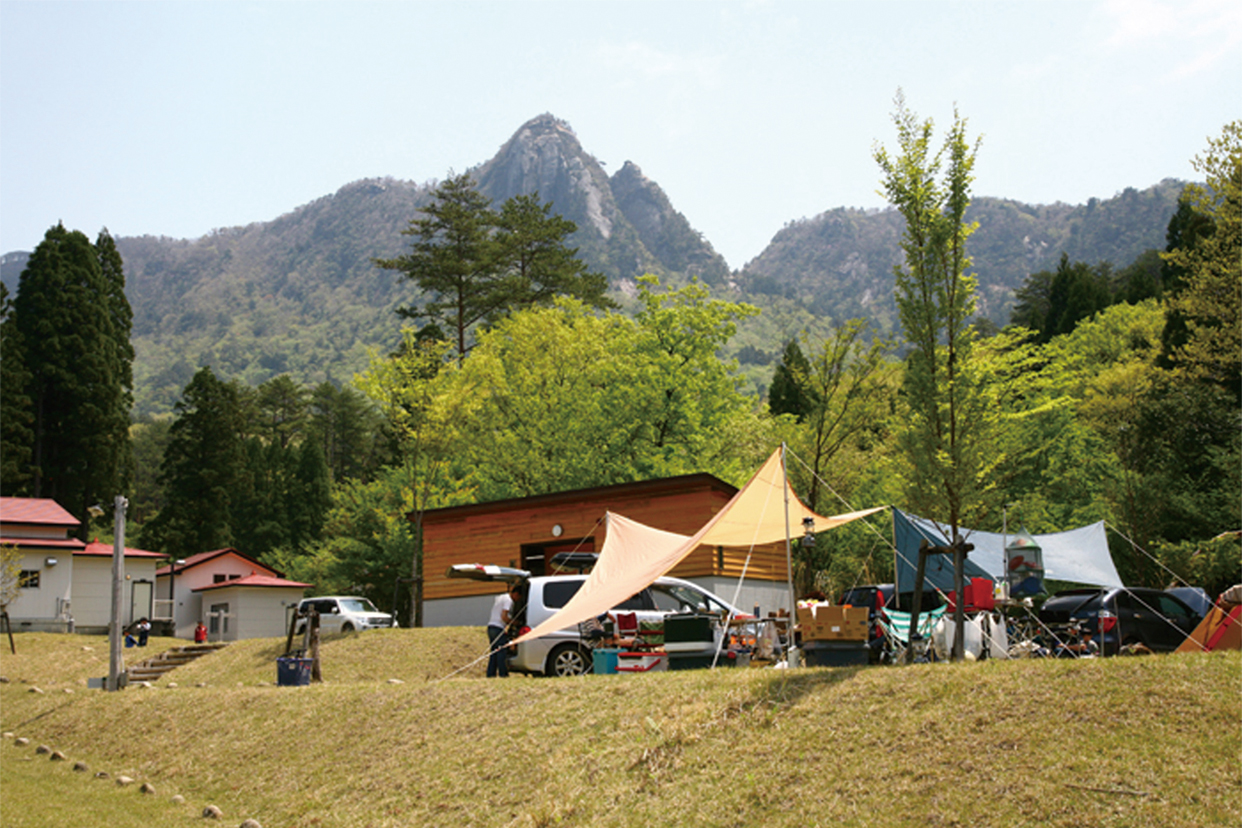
(254, 580)
(106, 549)
(45, 543)
(203, 557)
(41, 510)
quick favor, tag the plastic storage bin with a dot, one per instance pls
(293, 671)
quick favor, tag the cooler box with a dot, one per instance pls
(835, 653)
(641, 662)
(605, 661)
(688, 634)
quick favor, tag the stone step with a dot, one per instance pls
(156, 667)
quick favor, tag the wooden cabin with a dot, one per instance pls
(526, 532)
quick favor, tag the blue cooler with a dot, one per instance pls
(605, 661)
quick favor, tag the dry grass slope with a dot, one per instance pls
(1124, 742)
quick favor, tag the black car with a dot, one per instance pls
(1121, 616)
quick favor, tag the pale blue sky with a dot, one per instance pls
(179, 117)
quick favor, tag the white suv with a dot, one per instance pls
(344, 613)
(562, 653)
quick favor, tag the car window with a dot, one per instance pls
(1170, 607)
(357, 605)
(556, 594)
(675, 597)
(638, 601)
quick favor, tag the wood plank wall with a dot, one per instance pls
(486, 535)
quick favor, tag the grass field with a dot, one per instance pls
(1151, 741)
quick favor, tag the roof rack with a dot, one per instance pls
(581, 561)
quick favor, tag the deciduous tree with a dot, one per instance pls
(936, 301)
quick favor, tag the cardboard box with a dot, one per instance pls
(823, 622)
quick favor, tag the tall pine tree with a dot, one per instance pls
(203, 470)
(74, 322)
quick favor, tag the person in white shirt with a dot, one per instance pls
(498, 632)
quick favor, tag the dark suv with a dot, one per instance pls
(1117, 617)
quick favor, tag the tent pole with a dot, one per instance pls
(793, 600)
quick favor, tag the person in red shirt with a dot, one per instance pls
(200, 633)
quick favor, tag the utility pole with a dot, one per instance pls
(115, 662)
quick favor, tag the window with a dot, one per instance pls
(29, 579)
(219, 618)
(218, 578)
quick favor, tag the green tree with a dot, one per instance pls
(936, 300)
(474, 265)
(789, 392)
(849, 382)
(350, 432)
(283, 411)
(453, 261)
(1210, 303)
(149, 437)
(531, 250)
(73, 319)
(16, 435)
(409, 387)
(202, 469)
(1077, 292)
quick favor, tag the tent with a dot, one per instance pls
(1079, 555)
(634, 555)
(1220, 629)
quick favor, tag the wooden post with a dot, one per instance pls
(917, 598)
(959, 605)
(293, 625)
(312, 623)
(4, 616)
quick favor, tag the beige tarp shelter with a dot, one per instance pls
(634, 555)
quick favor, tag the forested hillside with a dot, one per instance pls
(301, 295)
(839, 264)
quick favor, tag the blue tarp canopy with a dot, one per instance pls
(907, 535)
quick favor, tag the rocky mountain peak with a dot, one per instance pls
(544, 156)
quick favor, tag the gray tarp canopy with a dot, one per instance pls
(1079, 555)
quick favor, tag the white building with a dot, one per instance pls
(66, 585)
(233, 594)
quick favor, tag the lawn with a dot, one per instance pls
(405, 731)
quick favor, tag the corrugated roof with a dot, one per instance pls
(254, 580)
(40, 510)
(45, 543)
(203, 557)
(105, 550)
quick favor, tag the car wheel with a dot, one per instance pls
(347, 627)
(568, 660)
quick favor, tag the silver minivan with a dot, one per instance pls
(562, 653)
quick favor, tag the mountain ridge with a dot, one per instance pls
(300, 293)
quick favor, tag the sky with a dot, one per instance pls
(176, 118)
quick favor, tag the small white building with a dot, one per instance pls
(66, 585)
(39, 528)
(232, 593)
(92, 586)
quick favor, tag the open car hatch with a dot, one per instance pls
(488, 572)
